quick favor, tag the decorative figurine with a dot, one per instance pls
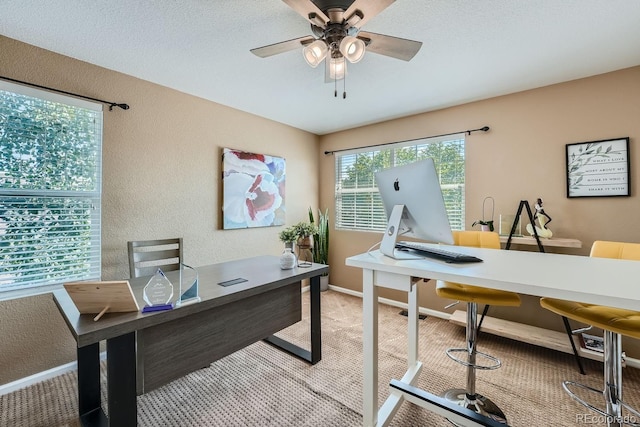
(543, 219)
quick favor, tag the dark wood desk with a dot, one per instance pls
(145, 351)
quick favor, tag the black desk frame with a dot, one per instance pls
(121, 377)
(314, 355)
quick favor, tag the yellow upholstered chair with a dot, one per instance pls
(474, 295)
(615, 322)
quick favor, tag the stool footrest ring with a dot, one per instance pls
(566, 385)
(495, 360)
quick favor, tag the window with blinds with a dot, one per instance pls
(358, 203)
(50, 188)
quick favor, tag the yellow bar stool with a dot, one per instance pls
(474, 295)
(615, 322)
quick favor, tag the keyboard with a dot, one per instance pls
(436, 253)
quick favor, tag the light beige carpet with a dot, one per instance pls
(263, 386)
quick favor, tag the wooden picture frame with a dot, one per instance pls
(102, 297)
(598, 168)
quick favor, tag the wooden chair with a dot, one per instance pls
(615, 322)
(474, 295)
(146, 256)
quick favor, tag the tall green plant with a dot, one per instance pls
(321, 238)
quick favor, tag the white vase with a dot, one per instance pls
(287, 259)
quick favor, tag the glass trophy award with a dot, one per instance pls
(158, 293)
(188, 289)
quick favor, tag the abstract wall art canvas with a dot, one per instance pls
(253, 190)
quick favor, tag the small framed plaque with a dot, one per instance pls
(102, 297)
(598, 168)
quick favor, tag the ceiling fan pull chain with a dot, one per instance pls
(335, 88)
(344, 86)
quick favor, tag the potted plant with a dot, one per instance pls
(288, 259)
(486, 225)
(321, 247)
(305, 232)
(288, 236)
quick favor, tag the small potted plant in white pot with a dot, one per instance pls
(288, 236)
(486, 225)
(288, 259)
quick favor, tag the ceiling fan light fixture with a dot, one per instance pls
(337, 68)
(352, 48)
(315, 52)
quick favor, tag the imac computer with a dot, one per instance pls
(414, 205)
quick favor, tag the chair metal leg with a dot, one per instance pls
(613, 373)
(612, 392)
(567, 327)
(468, 398)
(472, 335)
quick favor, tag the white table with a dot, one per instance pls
(602, 281)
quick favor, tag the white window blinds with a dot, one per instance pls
(358, 203)
(50, 188)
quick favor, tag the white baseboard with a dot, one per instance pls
(42, 376)
(394, 303)
(631, 362)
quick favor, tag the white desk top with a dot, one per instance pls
(610, 282)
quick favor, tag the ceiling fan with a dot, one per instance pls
(335, 25)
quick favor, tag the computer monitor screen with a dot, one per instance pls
(414, 205)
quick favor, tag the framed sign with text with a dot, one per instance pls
(598, 168)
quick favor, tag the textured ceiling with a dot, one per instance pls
(471, 50)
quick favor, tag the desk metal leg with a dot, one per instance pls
(89, 408)
(315, 355)
(316, 324)
(370, 349)
(121, 380)
(414, 367)
(412, 333)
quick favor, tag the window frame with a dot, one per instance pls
(92, 257)
(379, 218)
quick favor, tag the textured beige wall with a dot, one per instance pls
(161, 178)
(522, 157)
(162, 163)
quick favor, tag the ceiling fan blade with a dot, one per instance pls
(368, 8)
(276, 48)
(394, 47)
(308, 10)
